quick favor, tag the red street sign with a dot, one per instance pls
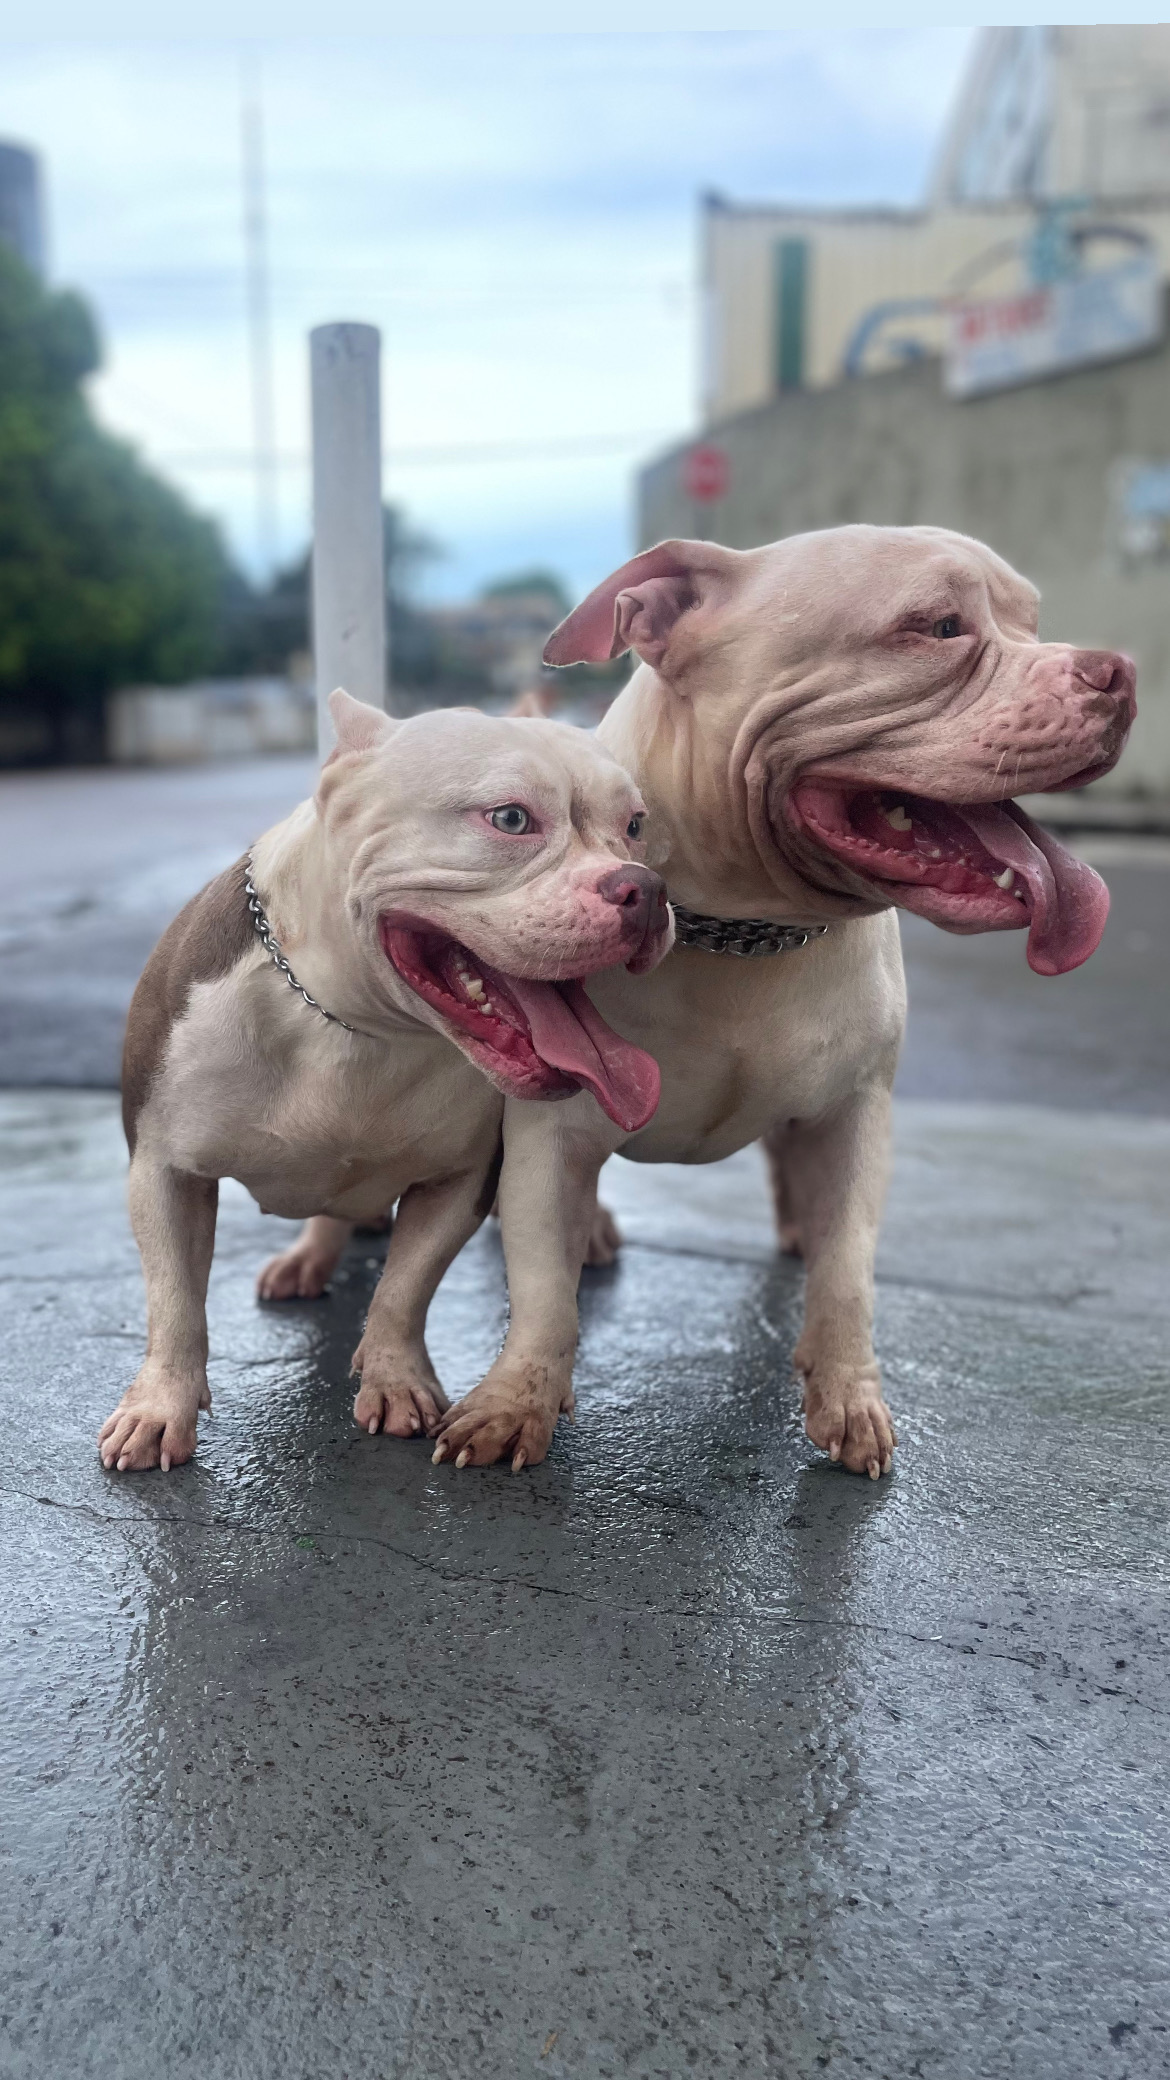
(706, 475)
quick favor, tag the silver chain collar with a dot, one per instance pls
(746, 936)
(271, 944)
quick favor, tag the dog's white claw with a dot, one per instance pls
(372, 1425)
(164, 1460)
(463, 1456)
(439, 1453)
(834, 1450)
(520, 1460)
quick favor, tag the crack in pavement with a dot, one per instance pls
(128, 1526)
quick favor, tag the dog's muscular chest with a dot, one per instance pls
(743, 1045)
(311, 1119)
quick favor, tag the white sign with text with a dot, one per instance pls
(1090, 317)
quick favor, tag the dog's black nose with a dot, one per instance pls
(635, 890)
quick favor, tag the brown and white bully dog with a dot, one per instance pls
(434, 908)
(824, 729)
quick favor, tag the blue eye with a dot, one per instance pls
(634, 827)
(948, 627)
(512, 819)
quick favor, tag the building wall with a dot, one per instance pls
(209, 718)
(855, 262)
(1037, 472)
(1045, 115)
(1051, 112)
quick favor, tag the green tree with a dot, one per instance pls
(523, 584)
(263, 628)
(106, 576)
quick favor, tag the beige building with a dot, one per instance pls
(1057, 157)
(996, 361)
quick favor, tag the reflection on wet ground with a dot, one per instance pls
(683, 1753)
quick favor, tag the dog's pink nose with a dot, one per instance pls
(1109, 671)
(637, 892)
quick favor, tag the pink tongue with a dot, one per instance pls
(570, 1034)
(1068, 901)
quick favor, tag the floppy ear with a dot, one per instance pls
(359, 726)
(637, 608)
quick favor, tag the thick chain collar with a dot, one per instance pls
(271, 945)
(746, 936)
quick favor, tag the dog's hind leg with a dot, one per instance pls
(304, 1269)
(173, 1214)
(783, 1192)
(400, 1392)
(605, 1237)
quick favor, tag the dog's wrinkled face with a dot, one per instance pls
(858, 707)
(488, 866)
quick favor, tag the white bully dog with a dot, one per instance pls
(823, 729)
(434, 910)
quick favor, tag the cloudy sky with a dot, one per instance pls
(516, 213)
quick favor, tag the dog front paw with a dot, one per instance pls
(154, 1424)
(506, 1418)
(847, 1417)
(399, 1395)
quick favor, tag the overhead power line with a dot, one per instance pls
(438, 457)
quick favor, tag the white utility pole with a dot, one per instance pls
(349, 580)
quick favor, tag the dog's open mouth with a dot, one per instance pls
(533, 1039)
(973, 867)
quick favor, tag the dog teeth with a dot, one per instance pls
(475, 988)
(897, 818)
(1005, 879)
(486, 1006)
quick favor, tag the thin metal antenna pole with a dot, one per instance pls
(259, 314)
(349, 578)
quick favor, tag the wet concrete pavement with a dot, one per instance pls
(684, 1753)
(93, 866)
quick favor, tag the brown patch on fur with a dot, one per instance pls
(207, 939)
